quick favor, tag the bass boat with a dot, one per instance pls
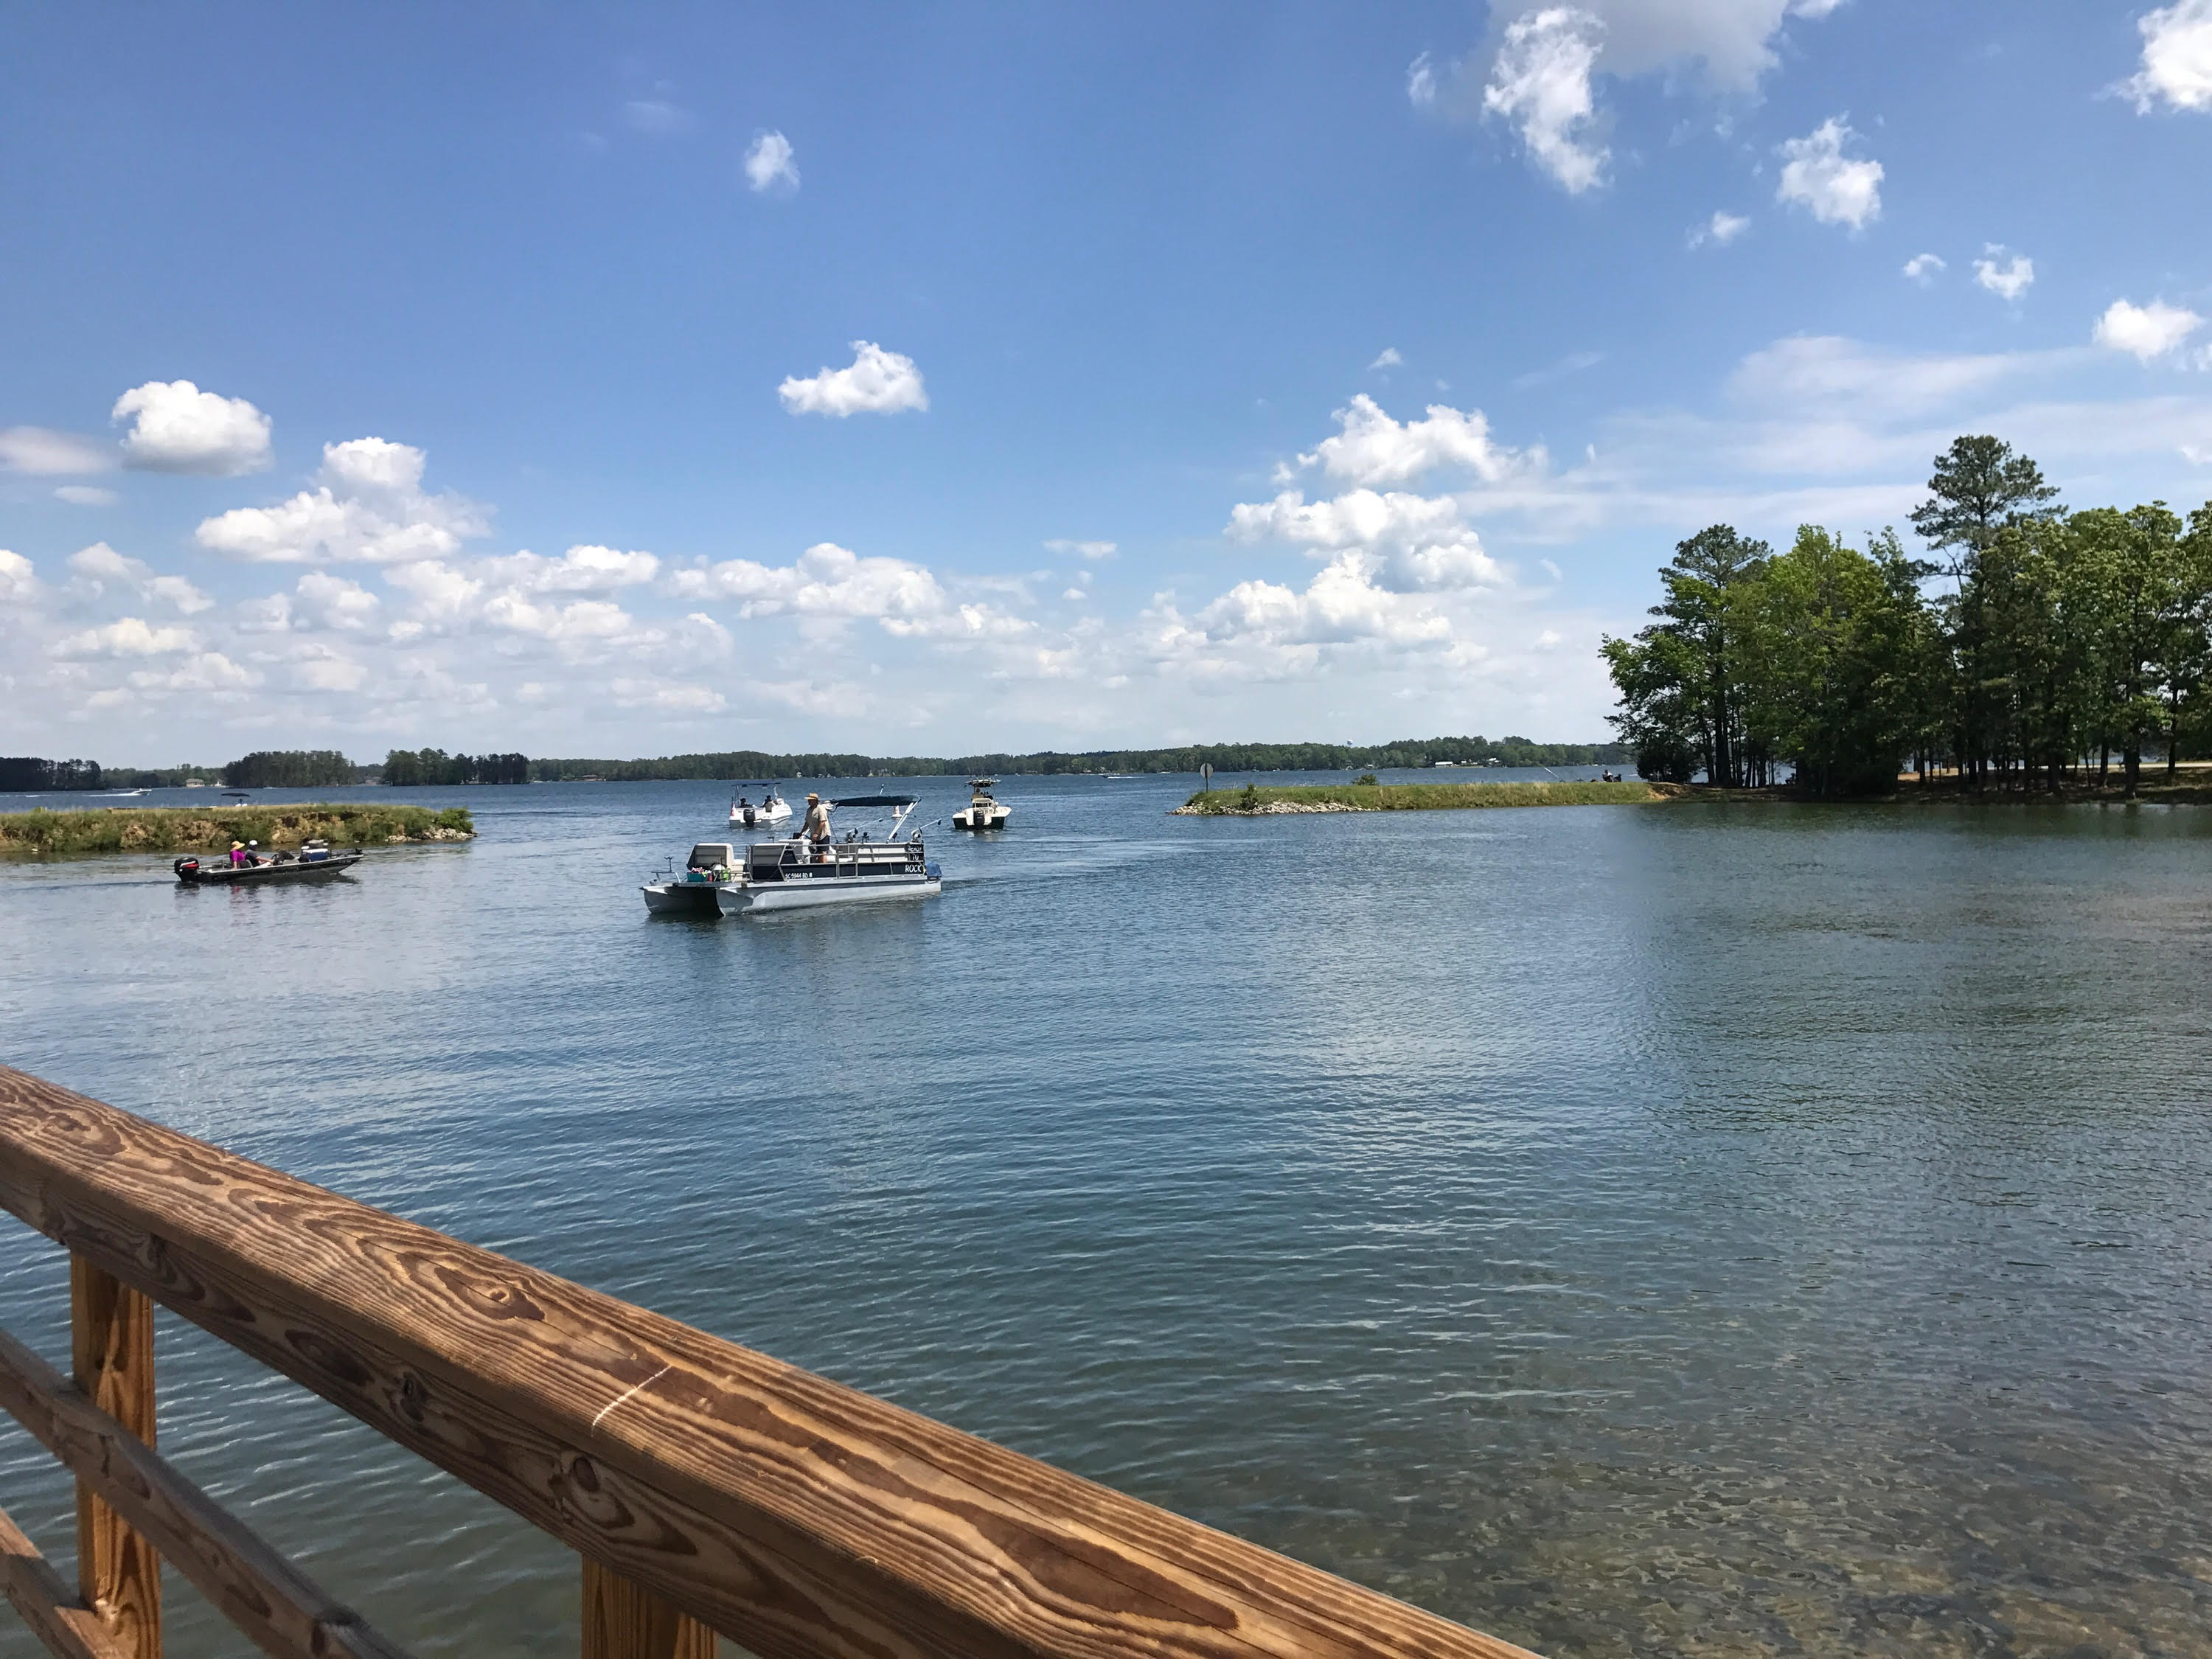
(313, 862)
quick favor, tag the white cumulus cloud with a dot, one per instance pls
(128, 636)
(2008, 281)
(1541, 82)
(1922, 268)
(38, 450)
(582, 570)
(1387, 358)
(1407, 543)
(99, 567)
(1341, 605)
(669, 698)
(334, 602)
(177, 427)
(771, 164)
(1731, 40)
(1373, 448)
(19, 580)
(577, 621)
(1541, 69)
(879, 382)
(1817, 176)
(832, 586)
(324, 669)
(441, 593)
(369, 506)
(2177, 59)
(1720, 230)
(210, 672)
(2145, 332)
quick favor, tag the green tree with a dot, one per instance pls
(1680, 678)
(1979, 485)
(2131, 566)
(1654, 675)
(290, 769)
(2186, 662)
(1827, 635)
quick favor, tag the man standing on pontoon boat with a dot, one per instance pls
(818, 825)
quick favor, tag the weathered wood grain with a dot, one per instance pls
(279, 1608)
(624, 1620)
(800, 1518)
(70, 1629)
(111, 1342)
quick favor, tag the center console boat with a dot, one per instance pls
(773, 809)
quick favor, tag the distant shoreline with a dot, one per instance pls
(1260, 800)
(1263, 801)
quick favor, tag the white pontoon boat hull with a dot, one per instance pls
(684, 898)
(805, 892)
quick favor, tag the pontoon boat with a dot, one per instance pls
(793, 872)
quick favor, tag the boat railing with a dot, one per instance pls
(791, 854)
(707, 1487)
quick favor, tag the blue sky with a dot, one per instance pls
(915, 380)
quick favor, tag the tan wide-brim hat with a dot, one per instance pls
(238, 847)
(813, 797)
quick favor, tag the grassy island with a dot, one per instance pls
(1260, 800)
(192, 830)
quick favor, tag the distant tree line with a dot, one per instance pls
(290, 769)
(2038, 641)
(160, 777)
(412, 769)
(28, 772)
(738, 764)
(301, 768)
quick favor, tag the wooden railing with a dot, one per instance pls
(707, 1487)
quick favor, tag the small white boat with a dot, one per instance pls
(794, 873)
(981, 811)
(772, 809)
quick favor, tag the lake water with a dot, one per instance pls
(1683, 1230)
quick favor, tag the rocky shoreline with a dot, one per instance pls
(1267, 809)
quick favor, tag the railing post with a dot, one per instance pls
(112, 1343)
(623, 1621)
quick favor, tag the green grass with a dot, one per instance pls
(1422, 797)
(190, 830)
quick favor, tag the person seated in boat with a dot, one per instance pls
(817, 826)
(237, 853)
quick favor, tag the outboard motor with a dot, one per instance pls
(749, 815)
(185, 866)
